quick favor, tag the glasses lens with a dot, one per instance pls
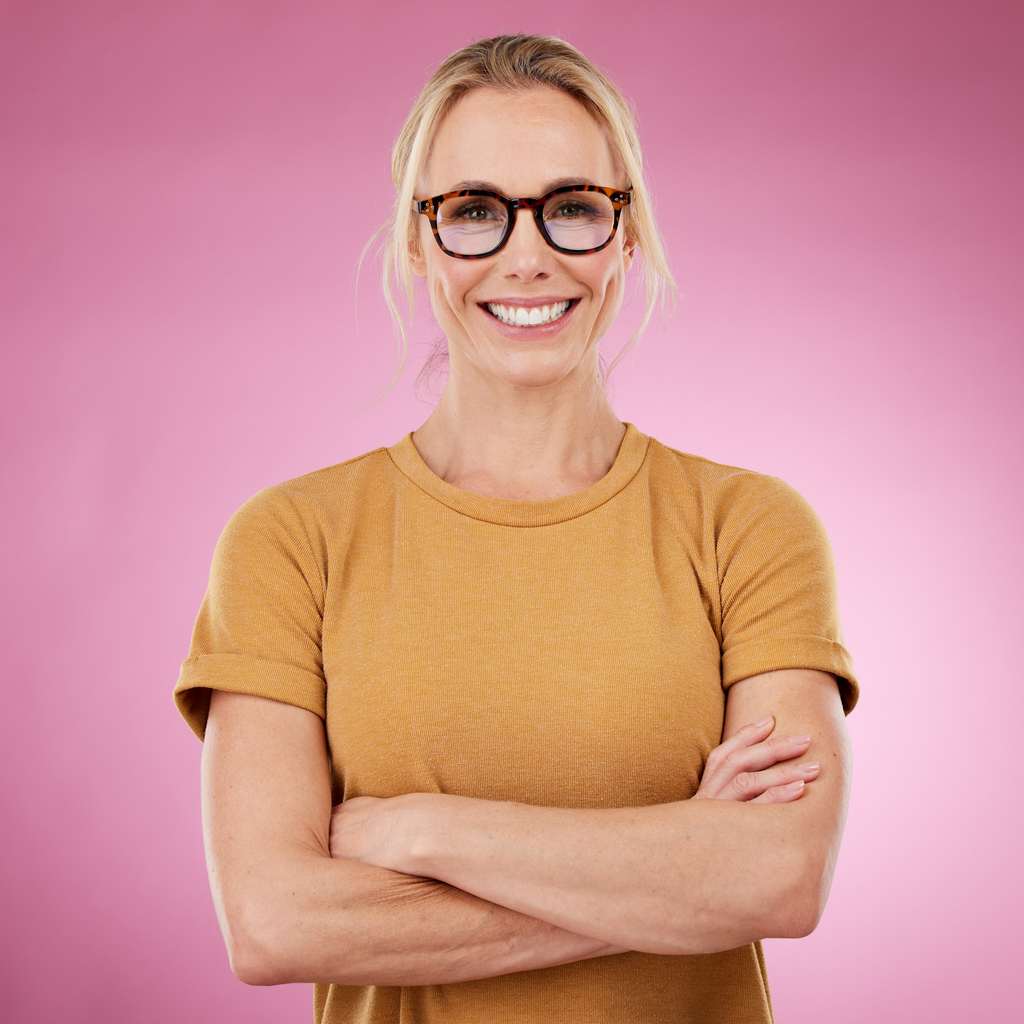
(579, 220)
(471, 225)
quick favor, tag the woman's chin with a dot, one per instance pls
(536, 370)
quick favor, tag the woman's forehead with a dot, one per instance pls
(519, 140)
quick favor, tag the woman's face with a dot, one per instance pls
(522, 144)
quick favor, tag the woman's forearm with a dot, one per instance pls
(692, 877)
(325, 920)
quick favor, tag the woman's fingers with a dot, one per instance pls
(717, 770)
(749, 735)
(756, 785)
(751, 750)
(763, 755)
(781, 794)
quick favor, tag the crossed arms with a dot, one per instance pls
(433, 889)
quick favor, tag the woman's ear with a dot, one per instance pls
(416, 259)
(629, 248)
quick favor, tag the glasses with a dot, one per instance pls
(473, 223)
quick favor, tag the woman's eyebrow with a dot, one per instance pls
(564, 182)
(489, 186)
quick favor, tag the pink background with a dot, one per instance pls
(840, 187)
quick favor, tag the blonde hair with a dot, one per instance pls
(514, 63)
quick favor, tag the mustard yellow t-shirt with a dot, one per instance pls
(573, 652)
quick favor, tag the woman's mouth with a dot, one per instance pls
(528, 316)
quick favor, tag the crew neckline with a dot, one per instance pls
(506, 512)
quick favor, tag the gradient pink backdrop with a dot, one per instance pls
(186, 188)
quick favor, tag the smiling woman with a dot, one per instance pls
(576, 698)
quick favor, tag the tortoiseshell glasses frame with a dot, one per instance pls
(619, 198)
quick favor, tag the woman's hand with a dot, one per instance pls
(373, 830)
(747, 767)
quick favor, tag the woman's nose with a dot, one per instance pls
(526, 244)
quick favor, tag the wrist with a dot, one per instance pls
(418, 838)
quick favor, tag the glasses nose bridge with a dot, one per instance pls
(533, 206)
(525, 204)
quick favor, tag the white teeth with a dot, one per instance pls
(521, 316)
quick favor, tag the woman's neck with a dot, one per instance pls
(523, 444)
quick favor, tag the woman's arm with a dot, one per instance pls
(290, 913)
(697, 876)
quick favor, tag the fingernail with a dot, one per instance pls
(799, 739)
(764, 721)
(809, 768)
(799, 784)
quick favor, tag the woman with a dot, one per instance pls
(578, 697)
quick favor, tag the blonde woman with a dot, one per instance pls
(577, 698)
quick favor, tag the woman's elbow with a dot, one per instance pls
(253, 967)
(256, 948)
(797, 920)
(798, 906)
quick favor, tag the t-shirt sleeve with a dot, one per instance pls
(778, 586)
(259, 627)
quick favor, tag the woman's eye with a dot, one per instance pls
(475, 212)
(572, 208)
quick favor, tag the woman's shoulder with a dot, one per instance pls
(336, 482)
(717, 483)
(322, 500)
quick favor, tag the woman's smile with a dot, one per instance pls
(525, 314)
(531, 320)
